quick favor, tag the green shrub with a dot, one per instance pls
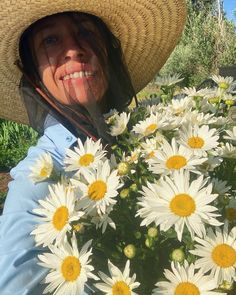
(15, 139)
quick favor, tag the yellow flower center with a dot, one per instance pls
(150, 129)
(223, 85)
(78, 227)
(44, 172)
(196, 142)
(187, 288)
(224, 255)
(182, 205)
(230, 214)
(151, 155)
(86, 160)
(176, 162)
(70, 268)
(97, 190)
(60, 217)
(120, 288)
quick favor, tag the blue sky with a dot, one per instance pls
(229, 6)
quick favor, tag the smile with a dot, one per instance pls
(80, 74)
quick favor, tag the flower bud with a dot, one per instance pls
(123, 168)
(178, 255)
(137, 235)
(130, 251)
(124, 193)
(133, 187)
(148, 243)
(152, 232)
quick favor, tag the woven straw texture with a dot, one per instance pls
(148, 31)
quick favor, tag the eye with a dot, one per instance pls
(85, 33)
(50, 40)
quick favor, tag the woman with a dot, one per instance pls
(72, 71)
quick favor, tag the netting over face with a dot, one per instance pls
(78, 63)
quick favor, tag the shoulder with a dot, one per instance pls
(23, 194)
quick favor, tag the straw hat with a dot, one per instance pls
(148, 31)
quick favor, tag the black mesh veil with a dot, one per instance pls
(80, 120)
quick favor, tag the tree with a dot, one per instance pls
(208, 42)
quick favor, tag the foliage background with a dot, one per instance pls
(208, 42)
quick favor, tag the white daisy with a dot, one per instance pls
(196, 118)
(179, 106)
(192, 92)
(168, 80)
(199, 139)
(69, 268)
(85, 156)
(150, 125)
(220, 187)
(120, 123)
(231, 134)
(218, 254)
(57, 212)
(227, 150)
(177, 203)
(211, 163)
(42, 169)
(170, 158)
(102, 221)
(99, 188)
(150, 146)
(119, 283)
(223, 82)
(185, 280)
(229, 99)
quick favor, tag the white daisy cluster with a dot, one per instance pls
(165, 190)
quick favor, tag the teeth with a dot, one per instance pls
(77, 75)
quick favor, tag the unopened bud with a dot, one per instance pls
(130, 251)
(152, 232)
(178, 255)
(123, 168)
(148, 242)
(137, 235)
(133, 187)
(124, 193)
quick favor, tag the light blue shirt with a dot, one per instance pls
(19, 272)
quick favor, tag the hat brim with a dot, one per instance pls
(147, 29)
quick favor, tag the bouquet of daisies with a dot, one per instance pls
(157, 214)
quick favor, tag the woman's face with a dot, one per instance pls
(67, 65)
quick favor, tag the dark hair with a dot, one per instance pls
(120, 90)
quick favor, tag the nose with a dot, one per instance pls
(75, 49)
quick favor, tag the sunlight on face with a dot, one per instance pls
(67, 65)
